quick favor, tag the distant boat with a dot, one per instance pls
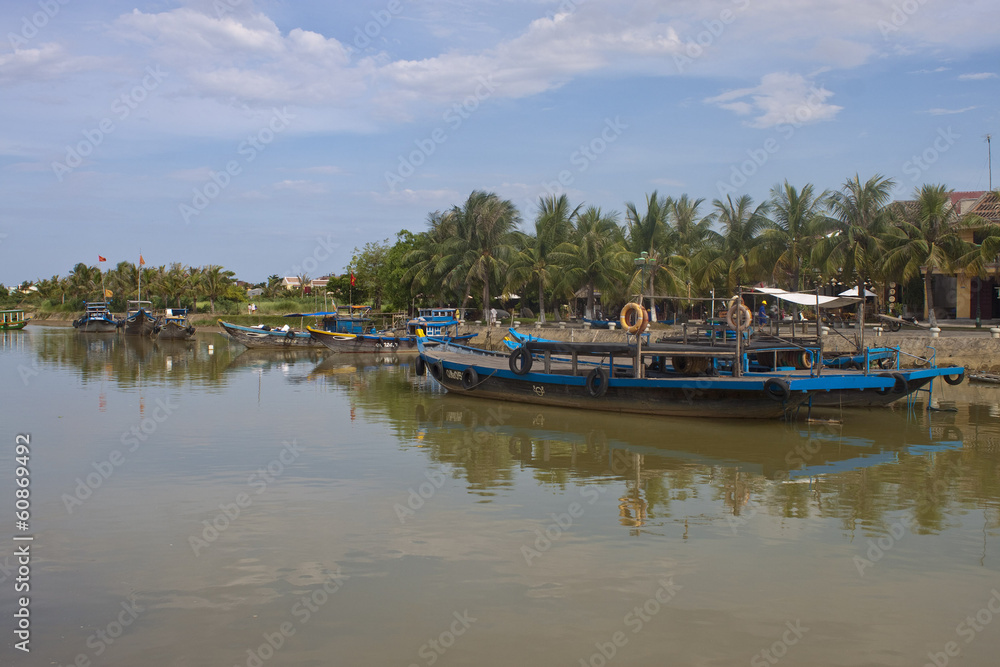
(96, 318)
(139, 320)
(13, 320)
(266, 336)
(175, 325)
(357, 333)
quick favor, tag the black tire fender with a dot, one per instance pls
(520, 361)
(954, 379)
(470, 378)
(437, 370)
(420, 367)
(899, 387)
(597, 382)
(777, 389)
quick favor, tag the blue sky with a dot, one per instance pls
(272, 137)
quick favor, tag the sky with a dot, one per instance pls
(274, 137)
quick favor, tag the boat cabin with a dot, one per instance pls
(434, 321)
(12, 319)
(352, 320)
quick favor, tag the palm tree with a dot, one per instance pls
(651, 233)
(595, 256)
(172, 283)
(927, 238)
(484, 244)
(726, 255)
(536, 260)
(213, 282)
(855, 245)
(84, 281)
(797, 221)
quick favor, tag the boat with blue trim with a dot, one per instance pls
(139, 319)
(359, 334)
(175, 325)
(96, 318)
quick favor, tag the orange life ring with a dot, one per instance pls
(641, 318)
(745, 316)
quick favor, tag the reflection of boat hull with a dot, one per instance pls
(140, 323)
(92, 325)
(275, 338)
(174, 331)
(871, 398)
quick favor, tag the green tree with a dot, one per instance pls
(725, 257)
(537, 261)
(650, 232)
(370, 268)
(214, 282)
(797, 221)
(595, 257)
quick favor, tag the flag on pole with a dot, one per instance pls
(352, 280)
(101, 259)
(141, 260)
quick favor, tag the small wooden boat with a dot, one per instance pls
(139, 320)
(175, 325)
(357, 333)
(984, 378)
(96, 319)
(13, 320)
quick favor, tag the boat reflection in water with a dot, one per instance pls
(650, 462)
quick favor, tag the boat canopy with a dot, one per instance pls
(807, 299)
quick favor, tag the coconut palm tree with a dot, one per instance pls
(797, 220)
(926, 238)
(535, 262)
(213, 282)
(651, 233)
(725, 256)
(595, 257)
(854, 243)
(484, 244)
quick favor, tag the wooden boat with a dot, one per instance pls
(984, 378)
(357, 333)
(13, 320)
(175, 325)
(613, 381)
(96, 319)
(139, 320)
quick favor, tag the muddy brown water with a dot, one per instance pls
(195, 504)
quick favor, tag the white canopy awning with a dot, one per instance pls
(854, 292)
(806, 299)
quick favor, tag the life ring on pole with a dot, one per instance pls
(954, 379)
(520, 361)
(745, 316)
(597, 382)
(777, 389)
(640, 320)
(470, 378)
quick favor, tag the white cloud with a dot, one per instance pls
(930, 71)
(979, 76)
(302, 187)
(944, 112)
(47, 61)
(779, 98)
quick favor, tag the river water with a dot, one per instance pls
(196, 504)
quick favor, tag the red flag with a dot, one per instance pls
(141, 260)
(352, 280)
(101, 259)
